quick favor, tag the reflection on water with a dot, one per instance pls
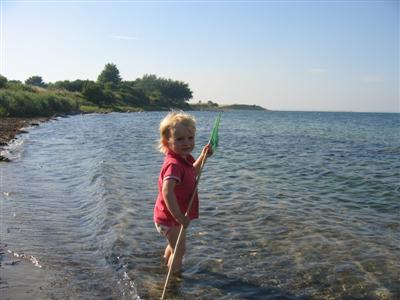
(293, 206)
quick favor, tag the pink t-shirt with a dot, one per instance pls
(175, 167)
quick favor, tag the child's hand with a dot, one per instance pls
(207, 150)
(184, 220)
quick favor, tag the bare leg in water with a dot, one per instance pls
(172, 237)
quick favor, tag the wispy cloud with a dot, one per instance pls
(318, 70)
(123, 37)
(371, 78)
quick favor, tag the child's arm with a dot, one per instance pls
(171, 202)
(207, 150)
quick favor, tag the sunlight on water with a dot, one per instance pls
(293, 205)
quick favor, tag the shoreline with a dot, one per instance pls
(11, 127)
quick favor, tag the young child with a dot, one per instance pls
(176, 182)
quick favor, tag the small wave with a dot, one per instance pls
(125, 284)
(130, 285)
(30, 258)
(13, 150)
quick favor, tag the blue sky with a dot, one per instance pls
(283, 55)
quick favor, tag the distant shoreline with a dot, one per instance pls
(11, 126)
(230, 107)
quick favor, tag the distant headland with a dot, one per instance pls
(109, 93)
(211, 106)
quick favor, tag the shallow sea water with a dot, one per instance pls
(294, 205)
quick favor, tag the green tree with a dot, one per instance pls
(147, 84)
(164, 92)
(3, 81)
(110, 74)
(35, 80)
(15, 81)
(93, 92)
(132, 95)
(108, 94)
(176, 91)
(72, 86)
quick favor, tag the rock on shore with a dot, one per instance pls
(10, 127)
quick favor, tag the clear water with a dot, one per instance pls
(294, 205)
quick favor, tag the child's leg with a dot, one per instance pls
(172, 237)
(163, 230)
(167, 253)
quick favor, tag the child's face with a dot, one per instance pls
(181, 140)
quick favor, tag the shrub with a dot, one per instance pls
(3, 81)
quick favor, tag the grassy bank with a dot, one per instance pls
(30, 101)
(37, 102)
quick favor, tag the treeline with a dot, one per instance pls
(35, 97)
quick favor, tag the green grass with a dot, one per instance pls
(36, 102)
(88, 109)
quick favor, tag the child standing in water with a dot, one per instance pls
(177, 182)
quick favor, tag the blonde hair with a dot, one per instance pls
(169, 122)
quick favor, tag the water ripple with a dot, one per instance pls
(293, 206)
